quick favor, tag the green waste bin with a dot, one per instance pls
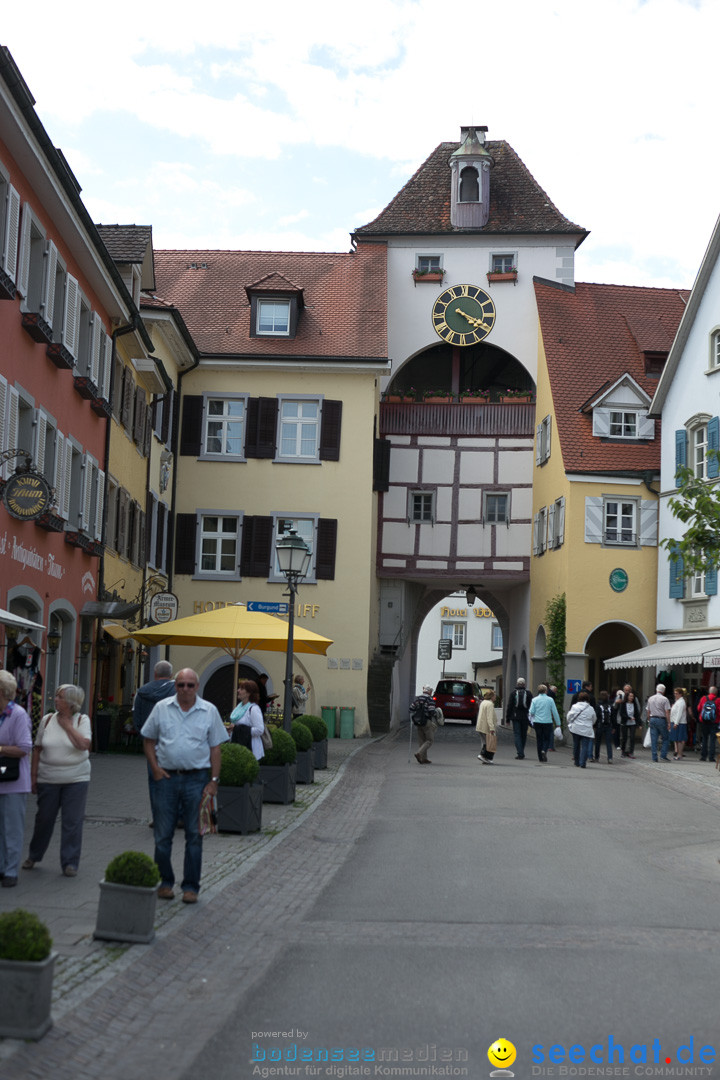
(347, 722)
(328, 713)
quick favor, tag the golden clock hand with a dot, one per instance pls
(472, 321)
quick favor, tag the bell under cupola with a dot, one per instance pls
(470, 167)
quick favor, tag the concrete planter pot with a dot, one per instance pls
(320, 754)
(126, 913)
(26, 994)
(239, 809)
(278, 783)
(305, 766)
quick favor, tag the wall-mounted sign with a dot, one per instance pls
(163, 607)
(618, 580)
(268, 608)
(26, 496)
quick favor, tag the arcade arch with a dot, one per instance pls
(447, 369)
(612, 639)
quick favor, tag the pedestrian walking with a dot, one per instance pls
(707, 721)
(581, 721)
(543, 717)
(16, 744)
(604, 726)
(486, 725)
(424, 716)
(146, 698)
(517, 714)
(658, 710)
(182, 738)
(678, 722)
(60, 776)
(628, 719)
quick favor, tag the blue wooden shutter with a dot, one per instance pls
(677, 575)
(713, 443)
(711, 577)
(680, 449)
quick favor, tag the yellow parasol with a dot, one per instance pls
(235, 630)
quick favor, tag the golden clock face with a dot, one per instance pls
(463, 315)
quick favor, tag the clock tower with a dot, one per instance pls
(470, 167)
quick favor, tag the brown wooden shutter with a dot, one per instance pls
(381, 464)
(167, 412)
(330, 424)
(256, 547)
(260, 441)
(185, 527)
(191, 430)
(160, 536)
(325, 549)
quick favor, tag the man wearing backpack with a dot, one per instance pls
(708, 714)
(422, 713)
(518, 707)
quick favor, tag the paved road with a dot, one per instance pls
(421, 913)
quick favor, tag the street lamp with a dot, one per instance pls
(293, 556)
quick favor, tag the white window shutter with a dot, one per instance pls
(89, 470)
(23, 276)
(536, 534)
(648, 523)
(593, 519)
(66, 480)
(99, 504)
(3, 413)
(71, 316)
(40, 440)
(96, 343)
(12, 422)
(59, 475)
(551, 526)
(645, 426)
(542, 531)
(601, 422)
(547, 424)
(538, 444)
(560, 516)
(12, 234)
(47, 303)
(105, 365)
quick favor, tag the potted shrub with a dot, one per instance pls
(26, 974)
(319, 732)
(302, 737)
(239, 794)
(128, 896)
(432, 274)
(278, 770)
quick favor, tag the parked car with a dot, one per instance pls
(459, 700)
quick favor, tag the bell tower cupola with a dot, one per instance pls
(470, 167)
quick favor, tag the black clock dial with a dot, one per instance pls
(463, 315)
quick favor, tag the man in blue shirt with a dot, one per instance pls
(182, 738)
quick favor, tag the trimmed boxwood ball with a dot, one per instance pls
(132, 868)
(317, 726)
(301, 735)
(238, 765)
(23, 937)
(282, 751)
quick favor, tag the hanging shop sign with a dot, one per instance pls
(26, 496)
(163, 607)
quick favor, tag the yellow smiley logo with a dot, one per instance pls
(502, 1053)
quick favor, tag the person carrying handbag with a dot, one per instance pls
(247, 714)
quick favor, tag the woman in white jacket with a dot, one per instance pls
(486, 725)
(248, 712)
(580, 721)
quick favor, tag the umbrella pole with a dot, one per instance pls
(235, 678)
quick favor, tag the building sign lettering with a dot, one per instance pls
(26, 496)
(301, 611)
(461, 613)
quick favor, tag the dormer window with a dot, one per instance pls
(623, 425)
(469, 184)
(620, 411)
(273, 317)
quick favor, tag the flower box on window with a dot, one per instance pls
(437, 396)
(85, 387)
(60, 356)
(101, 406)
(428, 275)
(50, 522)
(37, 328)
(502, 275)
(7, 286)
(516, 397)
(475, 397)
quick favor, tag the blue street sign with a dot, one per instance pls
(574, 686)
(269, 609)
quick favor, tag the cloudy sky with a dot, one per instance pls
(284, 126)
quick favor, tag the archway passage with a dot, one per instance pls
(611, 639)
(449, 369)
(219, 687)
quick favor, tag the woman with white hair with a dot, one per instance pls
(15, 746)
(60, 774)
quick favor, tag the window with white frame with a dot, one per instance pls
(273, 318)
(428, 264)
(9, 233)
(503, 263)
(715, 349)
(306, 528)
(496, 509)
(497, 638)
(620, 526)
(224, 426)
(299, 434)
(219, 544)
(540, 531)
(421, 507)
(696, 584)
(698, 450)
(455, 632)
(542, 441)
(556, 523)
(31, 261)
(623, 425)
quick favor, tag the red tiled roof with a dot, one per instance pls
(345, 312)
(592, 336)
(517, 202)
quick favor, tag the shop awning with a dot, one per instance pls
(108, 609)
(669, 653)
(8, 619)
(115, 630)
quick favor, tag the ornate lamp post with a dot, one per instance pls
(293, 557)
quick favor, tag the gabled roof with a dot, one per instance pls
(345, 312)
(609, 388)
(707, 266)
(131, 244)
(517, 202)
(589, 345)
